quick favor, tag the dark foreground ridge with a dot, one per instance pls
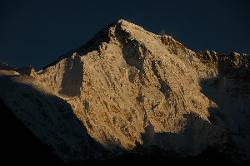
(19, 144)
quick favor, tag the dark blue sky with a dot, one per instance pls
(37, 32)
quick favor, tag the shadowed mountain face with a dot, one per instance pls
(19, 144)
(230, 91)
(74, 68)
(131, 94)
(50, 118)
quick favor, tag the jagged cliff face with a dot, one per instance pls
(128, 86)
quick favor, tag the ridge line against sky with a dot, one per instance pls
(38, 32)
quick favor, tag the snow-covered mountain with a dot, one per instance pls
(128, 88)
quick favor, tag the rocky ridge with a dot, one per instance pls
(130, 88)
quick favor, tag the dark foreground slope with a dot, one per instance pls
(19, 145)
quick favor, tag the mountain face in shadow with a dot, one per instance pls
(19, 144)
(55, 128)
(230, 91)
(72, 87)
(130, 95)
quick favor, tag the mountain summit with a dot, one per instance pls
(129, 89)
